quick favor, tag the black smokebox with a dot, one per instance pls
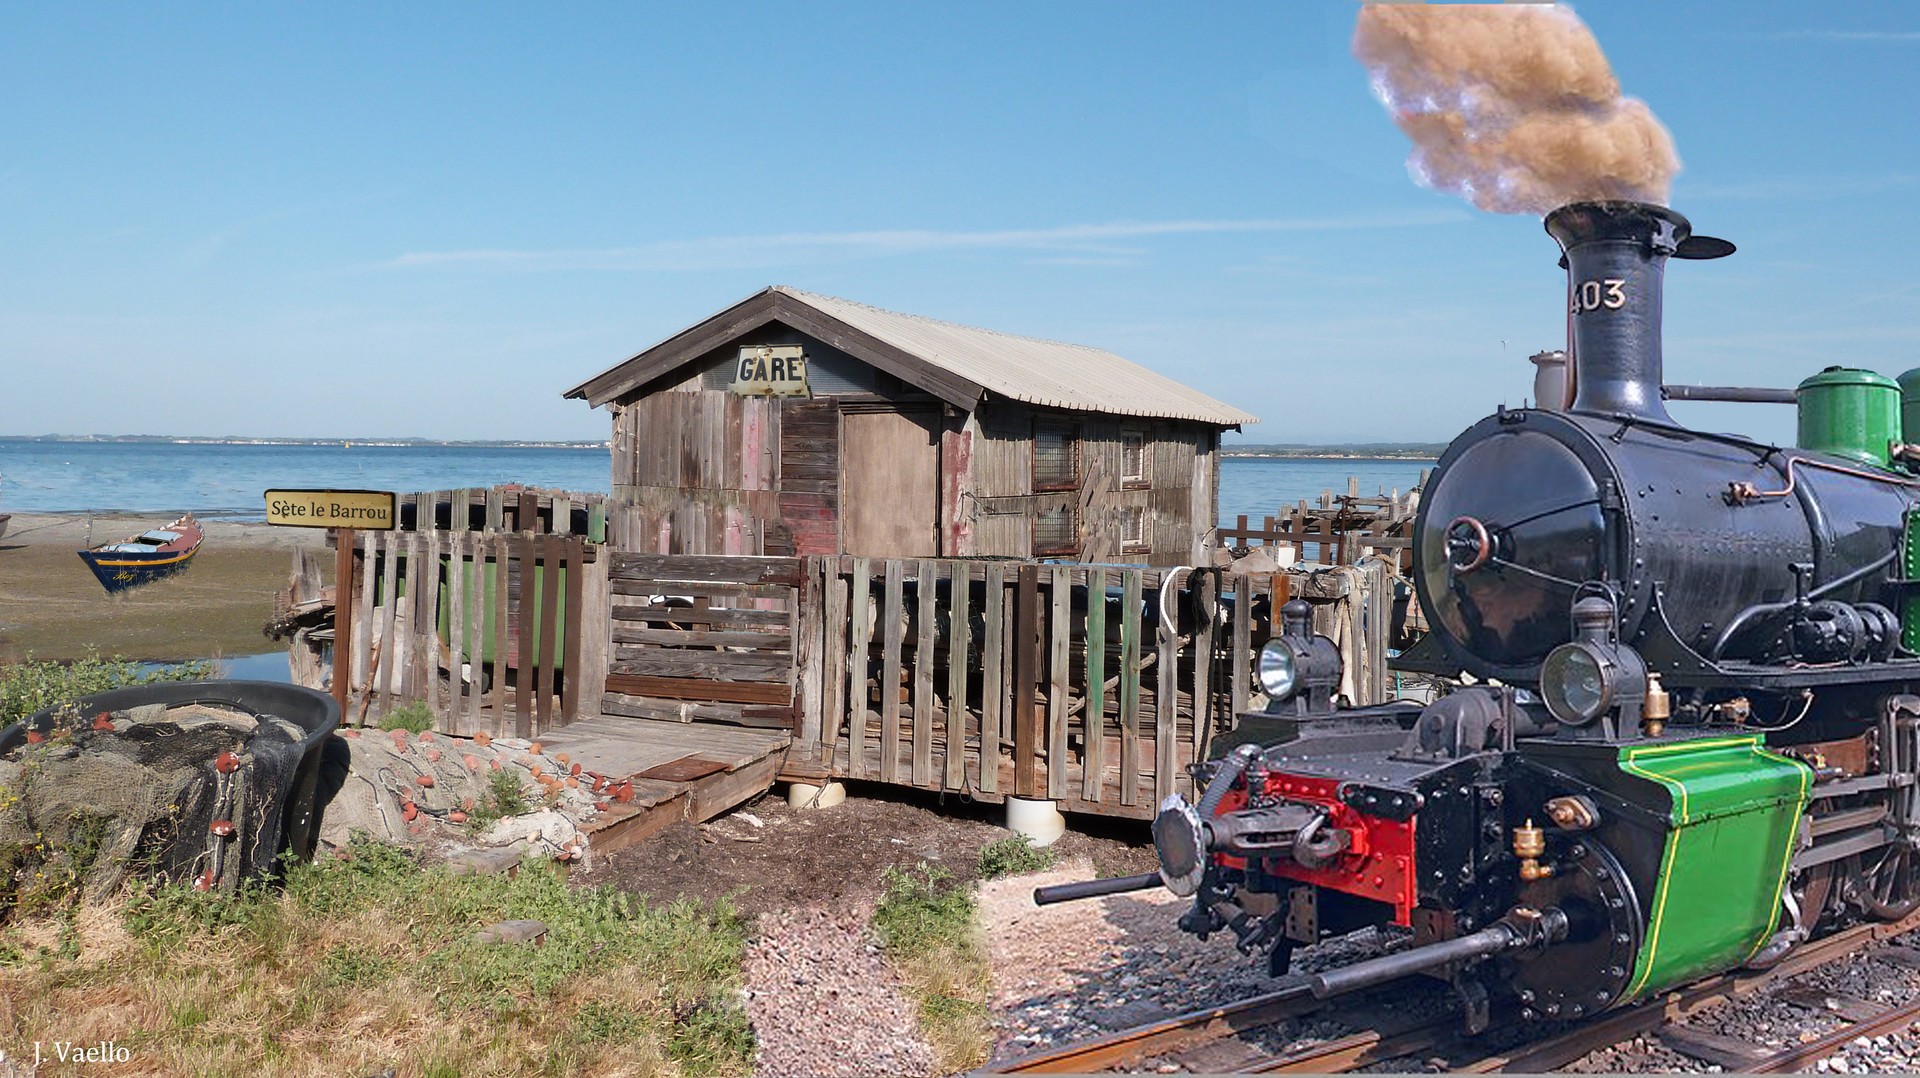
(1616, 259)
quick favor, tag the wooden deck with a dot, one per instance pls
(680, 771)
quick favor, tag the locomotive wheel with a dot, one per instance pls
(1890, 882)
(1812, 890)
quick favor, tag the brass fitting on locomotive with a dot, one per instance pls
(1529, 843)
(1656, 708)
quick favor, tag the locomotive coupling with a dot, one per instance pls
(1184, 839)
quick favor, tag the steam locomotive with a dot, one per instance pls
(1682, 730)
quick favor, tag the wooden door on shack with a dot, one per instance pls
(890, 483)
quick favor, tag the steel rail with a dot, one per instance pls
(1668, 1008)
(1115, 1050)
(1127, 1047)
(1895, 1019)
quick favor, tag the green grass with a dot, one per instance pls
(505, 797)
(265, 979)
(414, 718)
(925, 921)
(1014, 855)
(27, 687)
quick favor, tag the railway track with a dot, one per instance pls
(1211, 1040)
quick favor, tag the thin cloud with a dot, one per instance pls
(743, 252)
(1844, 35)
(1802, 187)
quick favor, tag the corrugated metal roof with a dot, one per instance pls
(1048, 373)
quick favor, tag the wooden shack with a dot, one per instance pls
(793, 424)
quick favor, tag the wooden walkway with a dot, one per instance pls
(680, 771)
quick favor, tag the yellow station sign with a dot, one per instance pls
(371, 510)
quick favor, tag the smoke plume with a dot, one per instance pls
(1512, 106)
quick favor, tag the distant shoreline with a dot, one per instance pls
(386, 443)
(1241, 454)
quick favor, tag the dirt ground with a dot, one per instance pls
(838, 855)
(51, 607)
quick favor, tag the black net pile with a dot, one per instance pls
(189, 793)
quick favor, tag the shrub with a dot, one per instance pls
(30, 686)
(1013, 856)
(414, 718)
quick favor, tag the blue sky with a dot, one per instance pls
(432, 219)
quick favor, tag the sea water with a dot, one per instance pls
(226, 481)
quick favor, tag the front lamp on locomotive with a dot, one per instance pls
(1681, 724)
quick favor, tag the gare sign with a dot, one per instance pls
(770, 370)
(369, 510)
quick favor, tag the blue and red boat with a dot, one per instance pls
(144, 558)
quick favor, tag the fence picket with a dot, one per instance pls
(1059, 624)
(958, 660)
(859, 605)
(993, 682)
(1166, 695)
(1130, 687)
(834, 664)
(1093, 768)
(927, 583)
(890, 677)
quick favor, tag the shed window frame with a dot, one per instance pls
(1133, 528)
(1070, 544)
(1069, 433)
(1136, 472)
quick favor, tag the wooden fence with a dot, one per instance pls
(1095, 686)
(518, 509)
(699, 638)
(485, 629)
(1337, 530)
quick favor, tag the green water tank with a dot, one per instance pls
(1910, 406)
(1850, 413)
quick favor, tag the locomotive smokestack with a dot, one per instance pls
(1616, 259)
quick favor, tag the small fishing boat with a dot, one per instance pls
(147, 557)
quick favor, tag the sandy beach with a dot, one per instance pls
(51, 607)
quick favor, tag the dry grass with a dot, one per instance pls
(925, 920)
(359, 967)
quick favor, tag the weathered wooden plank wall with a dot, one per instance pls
(706, 638)
(452, 619)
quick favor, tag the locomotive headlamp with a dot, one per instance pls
(1278, 673)
(1577, 683)
(1585, 679)
(1299, 670)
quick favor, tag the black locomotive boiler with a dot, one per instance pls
(1683, 715)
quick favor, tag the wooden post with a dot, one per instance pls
(1166, 695)
(993, 677)
(1130, 686)
(343, 539)
(1204, 646)
(958, 627)
(1059, 660)
(1093, 720)
(1027, 718)
(860, 636)
(809, 670)
(833, 658)
(926, 575)
(891, 630)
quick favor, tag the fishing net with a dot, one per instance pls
(191, 792)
